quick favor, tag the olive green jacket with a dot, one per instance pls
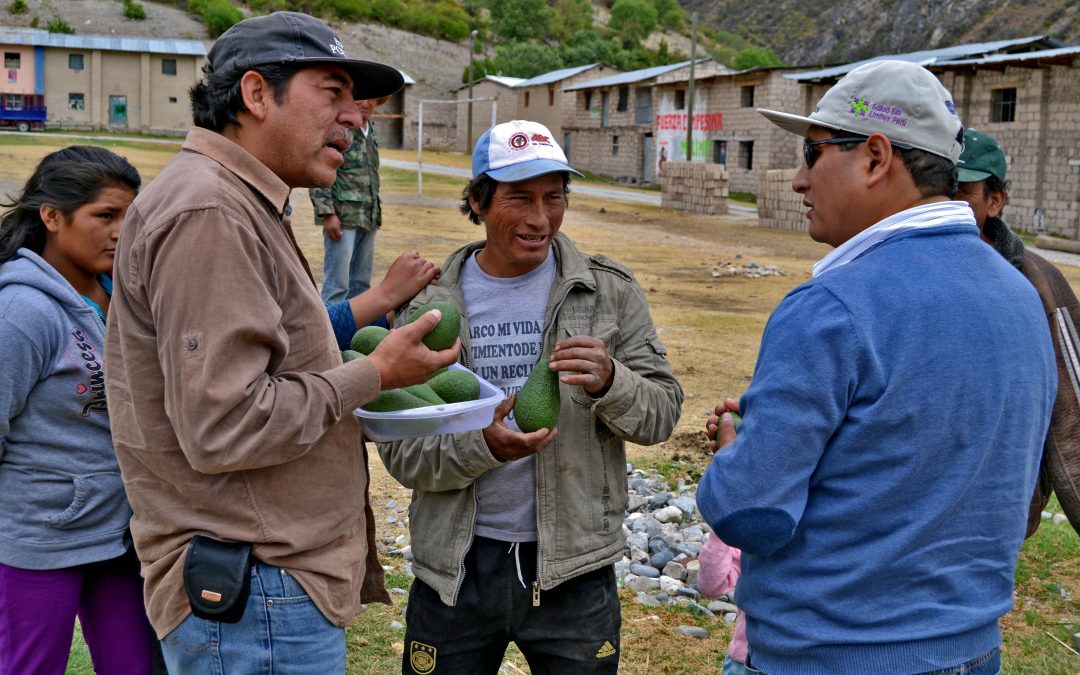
(581, 491)
(354, 196)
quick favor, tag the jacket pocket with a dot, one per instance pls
(98, 500)
(608, 333)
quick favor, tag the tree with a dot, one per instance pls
(570, 16)
(588, 46)
(514, 20)
(669, 13)
(526, 59)
(756, 57)
(632, 20)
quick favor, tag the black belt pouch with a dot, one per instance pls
(217, 578)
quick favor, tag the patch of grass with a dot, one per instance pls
(747, 197)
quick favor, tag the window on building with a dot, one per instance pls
(588, 100)
(624, 99)
(680, 99)
(614, 145)
(747, 96)
(719, 152)
(75, 61)
(526, 99)
(76, 102)
(642, 105)
(168, 66)
(551, 96)
(13, 102)
(172, 99)
(1003, 105)
(746, 155)
(604, 109)
(12, 60)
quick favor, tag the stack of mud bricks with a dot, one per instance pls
(695, 186)
(778, 206)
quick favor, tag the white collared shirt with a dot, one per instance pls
(937, 214)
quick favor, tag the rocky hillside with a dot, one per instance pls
(436, 65)
(836, 31)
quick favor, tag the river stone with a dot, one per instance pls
(693, 631)
(645, 571)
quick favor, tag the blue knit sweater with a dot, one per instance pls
(891, 438)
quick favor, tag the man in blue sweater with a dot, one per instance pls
(879, 483)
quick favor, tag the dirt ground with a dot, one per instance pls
(711, 322)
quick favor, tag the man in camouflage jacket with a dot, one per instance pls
(350, 213)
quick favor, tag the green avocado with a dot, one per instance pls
(737, 419)
(455, 386)
(448, 328)
(425, 392)
(350, 355)
(537, 404)
(367, 339)
(394, 399)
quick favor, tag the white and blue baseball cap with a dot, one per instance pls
(518, 150)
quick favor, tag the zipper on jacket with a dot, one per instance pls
(461, 562)
(536, 587)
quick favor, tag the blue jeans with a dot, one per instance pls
(347, 264)
(282, 631)
(987, 664)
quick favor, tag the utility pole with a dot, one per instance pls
(468, 133)
(690, 90)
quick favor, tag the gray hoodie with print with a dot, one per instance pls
(62, 501)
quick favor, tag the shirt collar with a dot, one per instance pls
(926, 216)
(240, 162)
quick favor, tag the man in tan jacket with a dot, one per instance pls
(231, 407)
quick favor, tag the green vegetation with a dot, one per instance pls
(134, 10)
(18, 7)
(443, 335)
(455, 386)
(58, 25)
(218, 15)
(537, 404)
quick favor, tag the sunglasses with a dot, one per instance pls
(811, 151)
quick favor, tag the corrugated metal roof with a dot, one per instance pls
(1023, 56)
(556, 75)
(114, 43)
(504, 80)
(630, 77)
(925, 57)
(702, 71)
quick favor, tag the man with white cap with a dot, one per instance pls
(513, 533)
(878, 485)
(231, 408)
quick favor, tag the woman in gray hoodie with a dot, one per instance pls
(65, 549)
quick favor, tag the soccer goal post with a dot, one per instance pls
(420, 131)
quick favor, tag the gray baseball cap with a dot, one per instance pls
(292, 37)
(899, 99)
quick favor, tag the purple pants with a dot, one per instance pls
(38, 610)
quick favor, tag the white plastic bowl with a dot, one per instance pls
(433, 420)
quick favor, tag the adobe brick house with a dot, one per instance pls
(610, 131)
(727, 127)
(543, 99)
(103, 81)
(1025, 93)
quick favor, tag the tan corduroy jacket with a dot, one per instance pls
(231, 409)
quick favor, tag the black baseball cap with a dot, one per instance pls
(293, 37)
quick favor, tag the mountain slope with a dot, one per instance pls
(835, 31)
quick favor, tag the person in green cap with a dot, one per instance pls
(982, 184)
